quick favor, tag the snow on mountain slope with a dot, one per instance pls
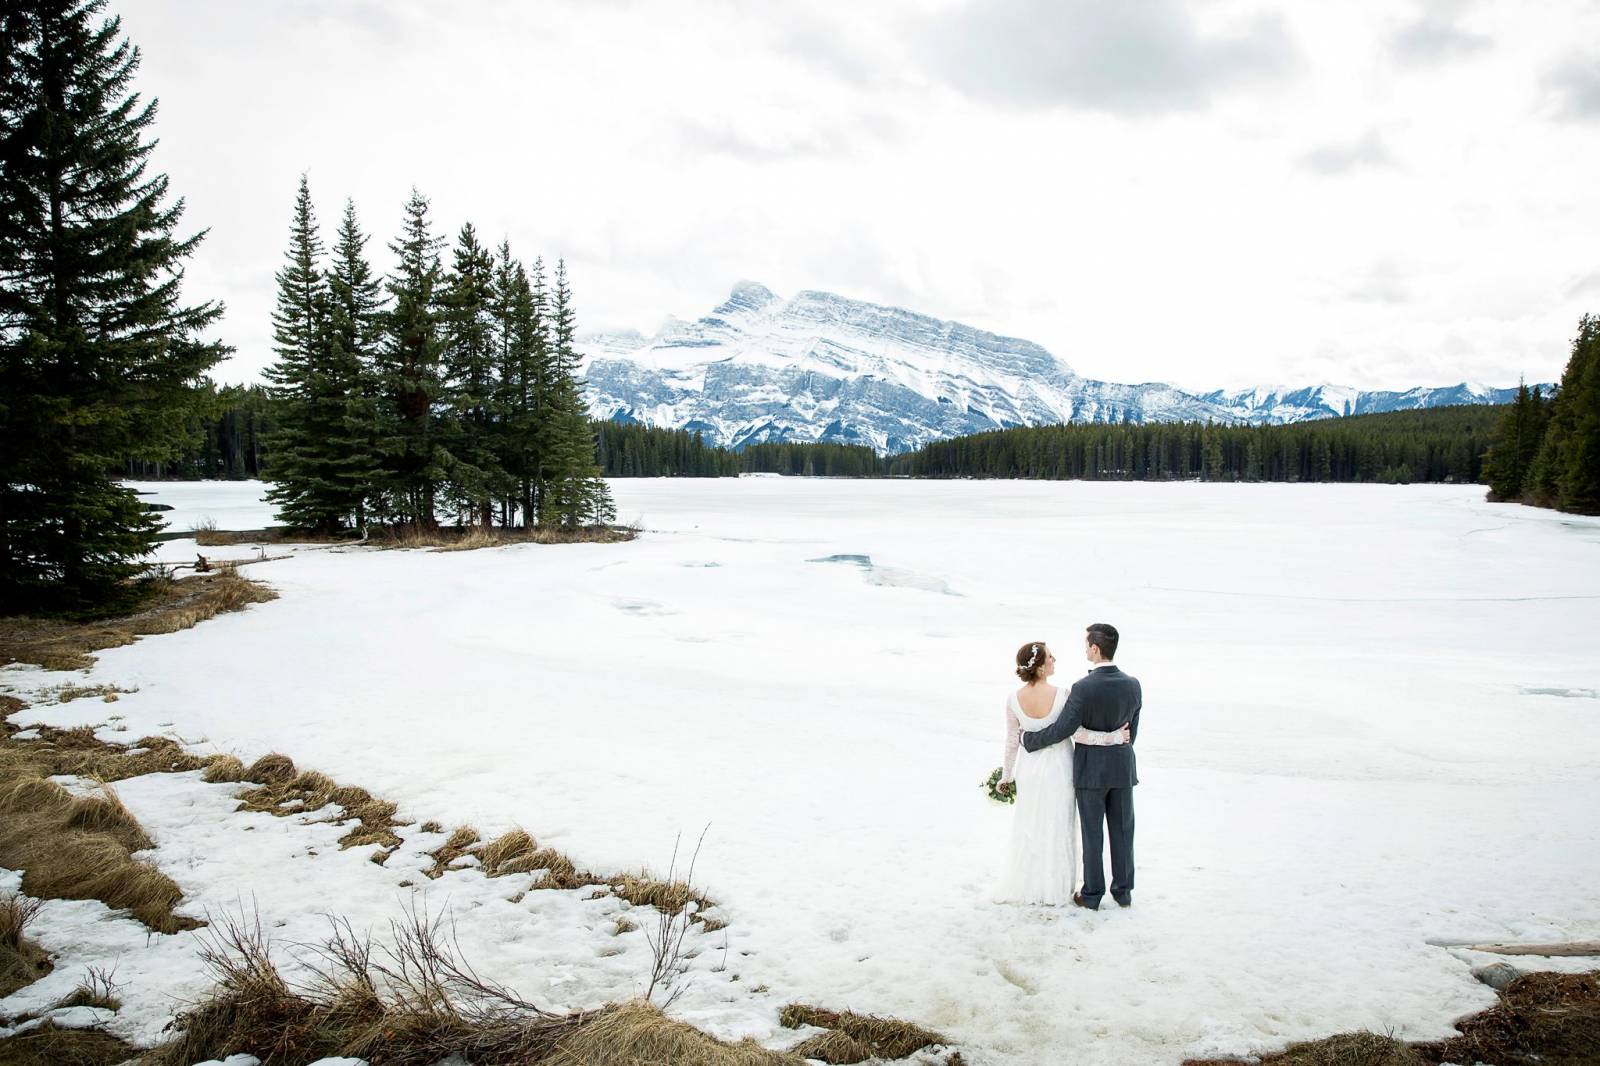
(820, 367)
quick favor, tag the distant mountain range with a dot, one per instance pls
(820, 367)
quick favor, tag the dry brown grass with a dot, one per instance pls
(414, 1004)
(69, 692)
(22, 962)
(460, 843)
(63, 860)
(58, 644)
(49, 1046)
(224, 769)
(80, 847)
(855, 1037)
(638, 1034)
(455, 538)
(106, 813)
(1542, 1019)
(283, 790)
(97, 989)
(80, 753)
(1551, 1019)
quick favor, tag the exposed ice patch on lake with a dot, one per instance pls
(1569, 693)
(642, 607)
(890, 576)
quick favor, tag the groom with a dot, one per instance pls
(1107, 699)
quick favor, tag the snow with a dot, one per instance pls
(1370, 739)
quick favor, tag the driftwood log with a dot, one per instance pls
(1570, 949)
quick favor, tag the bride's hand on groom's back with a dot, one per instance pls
(1124, 735)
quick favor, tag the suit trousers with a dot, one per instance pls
(1101, 809)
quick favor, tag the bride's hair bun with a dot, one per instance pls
(1030, 660)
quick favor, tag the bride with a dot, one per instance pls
(1042, 862)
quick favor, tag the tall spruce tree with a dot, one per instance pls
(518, 330)
(573, 493)
(469, 380)
(354, 334)
(416, 461)
(1515, 445)
(98, 352)
(302, 486)
(1567, 472)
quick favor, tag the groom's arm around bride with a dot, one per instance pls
(1107, 699)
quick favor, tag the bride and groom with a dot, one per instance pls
(1076, 763)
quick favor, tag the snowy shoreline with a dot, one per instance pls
(1353, 728)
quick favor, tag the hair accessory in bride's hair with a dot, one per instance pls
(1033, 658)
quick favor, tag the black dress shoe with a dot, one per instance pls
(1077, 898)
(1125, 903)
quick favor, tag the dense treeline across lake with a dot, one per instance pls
(231, 437)
(1438, 444)
(813, 460)
(628, 449)
(228, 434)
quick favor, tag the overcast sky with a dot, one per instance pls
(1209, 193)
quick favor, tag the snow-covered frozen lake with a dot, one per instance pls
(1370, 723)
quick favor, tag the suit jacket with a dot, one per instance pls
(1106, 700)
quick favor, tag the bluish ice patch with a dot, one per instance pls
(641, 607)
(891, 576)
(1568, 693)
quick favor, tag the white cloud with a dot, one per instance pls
(1143, 188)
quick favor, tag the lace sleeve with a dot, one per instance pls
(1013, 737)
(1096, 739)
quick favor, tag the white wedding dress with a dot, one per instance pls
(1041, 864)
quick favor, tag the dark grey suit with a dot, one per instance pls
(1106, 700)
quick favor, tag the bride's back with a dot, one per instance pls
(1036, 701)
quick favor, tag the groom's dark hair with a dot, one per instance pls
(1103, 635)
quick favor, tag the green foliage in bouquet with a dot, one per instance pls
(1006, 793)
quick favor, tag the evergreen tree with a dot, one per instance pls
(99, 355)
(573, 493)
(354, 336)
(1515, 445)
(518, 342)
(302, 489)
(469, 380)
(1567, 472)
(409, 370)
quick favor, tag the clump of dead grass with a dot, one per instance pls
(47, 1045)
(97, 989)
(78, 752)
(1542, 1019)
(855, 1037)
(22, 962)
(166, 606)
(271, 769)
(460, 843)
(283, 790)
(224, 769)
(69, 692)
(412, 1004)
(104, 812)
(469, 538)
(1552, 1019)
(87, 860)
(639, 1034)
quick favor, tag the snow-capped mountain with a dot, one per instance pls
(1263, 404)
(819, 367)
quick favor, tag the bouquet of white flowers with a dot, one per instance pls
(1006, 793)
